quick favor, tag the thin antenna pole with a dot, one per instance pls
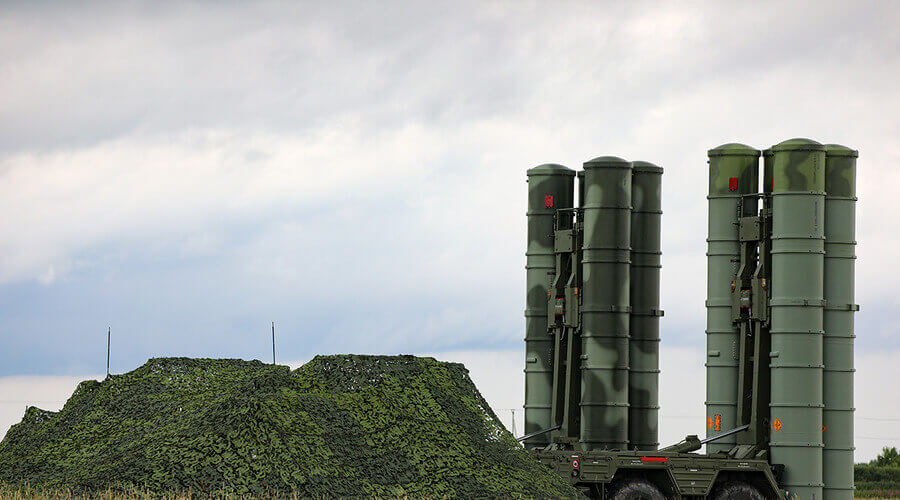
(273, 342)
(108, 336)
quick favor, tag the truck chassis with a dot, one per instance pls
(677, 476)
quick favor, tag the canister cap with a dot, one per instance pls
(551, 169)
(607, 161)
(768, 152)
(646, 166)
(733, 149)
(838, 150)
(798, 144)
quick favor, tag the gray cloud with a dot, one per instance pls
(356, 170)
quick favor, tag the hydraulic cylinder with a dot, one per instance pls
(798, 251)
(840, 259)
(643, 346)
(606, 308)
(733, 180)
(550, 187)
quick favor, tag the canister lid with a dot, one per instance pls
(838, 150)
(551, 169)
(646, 166)
(607, 162)
(733, 149)
(798, 144)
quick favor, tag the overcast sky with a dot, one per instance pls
(188, 172)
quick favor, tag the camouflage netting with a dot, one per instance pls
(337, 426)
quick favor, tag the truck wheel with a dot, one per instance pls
(738, 491)
(637, 489)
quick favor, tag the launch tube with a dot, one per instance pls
(840, 255)
(550, 187)
(733, 174)
(798, 248)
(643, 346)
(606, 303)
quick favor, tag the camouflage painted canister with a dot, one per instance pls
(606, 303)
(840, 259)
(798, 251)
(643, 346)
(550, 187)
(733, 174)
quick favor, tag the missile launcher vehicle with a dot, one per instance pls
(779, 327)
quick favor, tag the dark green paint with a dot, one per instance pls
(837, 349)
(798, 248)
(543, 181)
(683, 475)
(643, 347)
(726, 206)
(606, 303)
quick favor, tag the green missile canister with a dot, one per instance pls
(798, 251)
(643, 346)
(840, 258)
(550, 187)
(606, 303)
(733, 174)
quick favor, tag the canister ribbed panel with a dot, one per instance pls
(550, 187)
(733, 173)
(643, 347)
(798, 251)
(837, 350)
(606, 308)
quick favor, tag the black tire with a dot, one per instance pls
(637, 489)
(737, 491)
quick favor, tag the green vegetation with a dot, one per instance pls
(376, 426)
(889, 457)
(880, 478)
